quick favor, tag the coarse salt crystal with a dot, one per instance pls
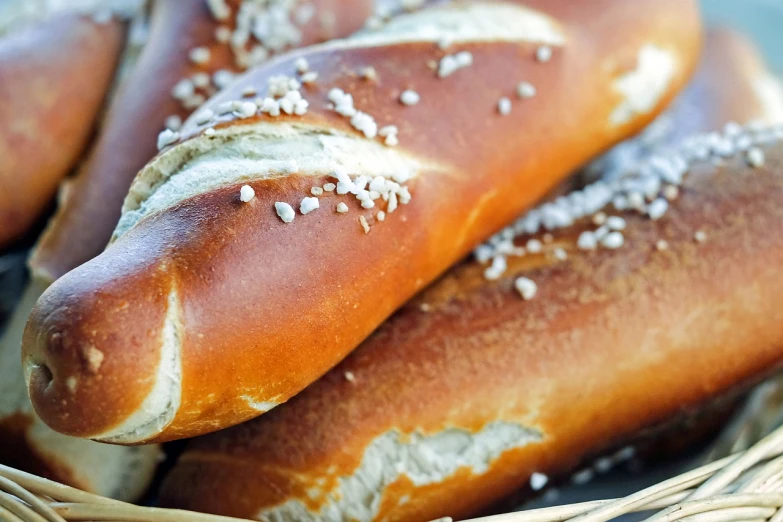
(246, 193)
(613, 240)
(755, 157)
(657, 209)
(409, 97)
(309, 77)
(308, 205)
(534, 246)
(166, 138)
(301, 65)
(527, 288)
(538, 481)
(526, 90)
(587, 241)
(245, 109)
(183, 89)
(364, 224)
(285, 211)
(199, 55)
(173, 122)
(504, 106)
(544, 54)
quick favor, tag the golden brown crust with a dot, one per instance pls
(91, 205)
(613, 342)
(53, 79)
(262, 308)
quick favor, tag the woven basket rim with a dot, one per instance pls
(744, 486)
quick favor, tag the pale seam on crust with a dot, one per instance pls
(643, 87)
(770, 93)
(423, 459)
(260, 406)
(160, 406)
(261, 150)
(464, 23)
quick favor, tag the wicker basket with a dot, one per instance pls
(745, 486)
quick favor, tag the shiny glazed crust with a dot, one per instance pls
(209, 311)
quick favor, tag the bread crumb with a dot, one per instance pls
(365, 225)
(93, 358)
(71, 383)
(350, 377)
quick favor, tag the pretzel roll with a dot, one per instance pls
(192, 52)
(53, 78)
(218, 301)
(475, 385)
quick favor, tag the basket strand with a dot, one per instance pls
(8, 516)
(737, 500)
(767, 447)
(48, 514)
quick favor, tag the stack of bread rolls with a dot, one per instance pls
(298, 234)
(147, 98)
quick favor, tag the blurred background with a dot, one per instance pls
(761, 19)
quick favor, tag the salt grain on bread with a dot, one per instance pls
(164, 229)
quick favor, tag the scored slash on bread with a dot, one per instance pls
(209, 311)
